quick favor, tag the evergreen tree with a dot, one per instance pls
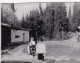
(60, 19)
(75, 21)
(47, 18)
(41, 12)
(23, 22)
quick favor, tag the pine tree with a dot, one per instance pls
(23, 21)
(75, 21)
(60, 18)
(41, 12)
(48, 20)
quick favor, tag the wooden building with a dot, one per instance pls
(10, 35)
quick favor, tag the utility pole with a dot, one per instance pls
(36, 34)
(35, 31)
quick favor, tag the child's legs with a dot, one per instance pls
(40, 56)
(34, 50)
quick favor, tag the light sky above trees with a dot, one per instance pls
(24, 8)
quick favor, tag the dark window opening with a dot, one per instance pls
(17, 36)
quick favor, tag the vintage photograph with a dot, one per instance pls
(41, 32)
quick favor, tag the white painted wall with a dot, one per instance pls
(20, 34)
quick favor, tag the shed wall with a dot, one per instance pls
(19, 36)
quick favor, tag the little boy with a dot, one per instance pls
(40, 49)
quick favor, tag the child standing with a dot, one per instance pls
(78, 34)
(40, 49)
(32, 47)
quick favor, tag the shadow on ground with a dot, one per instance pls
(15, 62)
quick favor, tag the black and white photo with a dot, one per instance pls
(40, 32)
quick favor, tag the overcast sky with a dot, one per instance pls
(24, 8)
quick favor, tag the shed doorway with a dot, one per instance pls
(24, 37)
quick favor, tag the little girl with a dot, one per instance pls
(32, 47)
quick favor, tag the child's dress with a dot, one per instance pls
(32, 48)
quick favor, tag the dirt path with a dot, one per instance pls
(67, 51)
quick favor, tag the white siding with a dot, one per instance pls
(20, 34)
(26, 35)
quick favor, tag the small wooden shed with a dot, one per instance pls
(13, 35)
